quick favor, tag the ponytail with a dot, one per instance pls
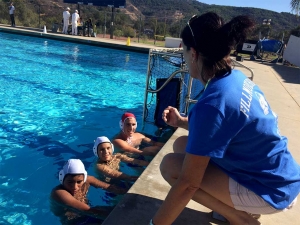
(236, 30)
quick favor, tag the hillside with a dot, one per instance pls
(163, 17)
(280, 21)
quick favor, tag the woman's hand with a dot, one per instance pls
(172, 117)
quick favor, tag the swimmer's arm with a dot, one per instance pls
(97, 183)
(106, 170)
(65, 198)
(124, 146)
(125, 158)
(151, 142)
(109, 187)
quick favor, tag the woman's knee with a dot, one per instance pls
(180, 143)
(165, 164)
(170, 166)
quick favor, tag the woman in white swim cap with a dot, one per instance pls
(69, 199)
(108, 164)
(128, 140)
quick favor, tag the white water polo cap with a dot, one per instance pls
(72, 166)
(126, 116)
(99, 141)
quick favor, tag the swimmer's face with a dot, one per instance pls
(73, 183)
(129, 126)
(104, 151)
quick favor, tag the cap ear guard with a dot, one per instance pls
(61, 176)
(99, 141)
(68, 170)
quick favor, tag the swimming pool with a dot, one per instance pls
(56, 98)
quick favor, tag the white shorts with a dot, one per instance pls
(245, 200)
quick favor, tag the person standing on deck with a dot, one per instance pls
(66, 17)
(75, 17)
(12, 14)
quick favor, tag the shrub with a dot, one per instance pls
(118, 33)
(129, 32)
(144, 37)
(159, 38)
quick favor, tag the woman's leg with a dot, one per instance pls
(151, 150)
(214, 190)
(179, 145)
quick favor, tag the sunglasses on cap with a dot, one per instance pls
(189, 25)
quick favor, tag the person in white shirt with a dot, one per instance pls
(66, 17)
(75, 17)
(11, 14)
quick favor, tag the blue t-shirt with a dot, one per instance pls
(234, 125)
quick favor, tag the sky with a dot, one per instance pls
(273, 5)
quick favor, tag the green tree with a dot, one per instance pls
(295, 6)
(296, 31)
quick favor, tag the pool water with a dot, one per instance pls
(56, 98)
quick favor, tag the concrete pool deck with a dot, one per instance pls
(281, 85)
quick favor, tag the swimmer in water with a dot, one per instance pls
(108, 164)
(69, 199)
(129, 141)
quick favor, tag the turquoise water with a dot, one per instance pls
(56, 98)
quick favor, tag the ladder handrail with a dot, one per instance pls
(242, 65)
(168, 80)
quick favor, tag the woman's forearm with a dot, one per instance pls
(184, 123)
